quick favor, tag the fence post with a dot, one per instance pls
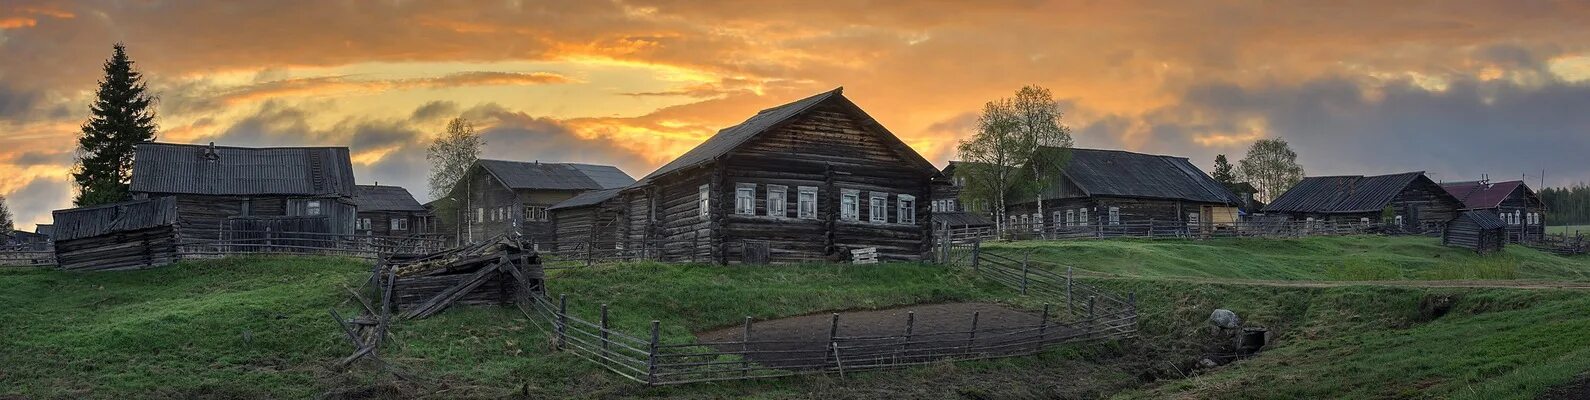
(590, 248)
(651, 353)
(833, 331)
(1131, 303)
(695, 244)
(745, 349)
(1092, 300)
(1024, 272)
(1043, 326)
(977, 252)
(1069, 307)
(971, 338)
(604, 334)
(910, 327)
(563, 319)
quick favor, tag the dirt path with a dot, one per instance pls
(800, 342)
(1476, 284)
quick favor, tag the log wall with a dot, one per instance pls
(138, 249)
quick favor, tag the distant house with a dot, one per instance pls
(1477, 230)
(949, 209)
(26, 241)
(390, 211)
(804, 181)
(1409, 200)
(497, 197)
(1246, 192)
(223, 190)
(592, 218)
(1111, 187)
(1513, 202)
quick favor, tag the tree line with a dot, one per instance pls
(1567, 205)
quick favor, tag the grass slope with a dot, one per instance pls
(1568, 229)
(1338, 258)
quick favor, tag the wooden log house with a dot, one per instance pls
(1111, 187)
(237, 192)
(949, 212)
(18, 240)
(128, 235)
(390, 211)
(1478, 230)
(592, 219)
(1513, 201)
(497, 197)
(1408, 201)
(805, 181)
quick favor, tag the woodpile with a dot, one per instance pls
(497, 271)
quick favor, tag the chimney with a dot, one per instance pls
(210, 154)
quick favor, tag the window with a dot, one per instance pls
(949, 205)
(1071, 217)
(775, 201)
(907, 213)
(1037, 222)
(1115, 215)
(1082, 216)
(1023, 221)
(363, 224)
(480, 214)
(1399, 220)
(312, 207)
(806, 202)
(1364, 220)
(1534, 219)
(850, 205)
(400, 224)
(1192, 219)
(878, 207)
(703, 202)
(745, 198)
(536, 213)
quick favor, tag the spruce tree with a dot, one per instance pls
(6, 225)
(1224, 173)
(122, 116)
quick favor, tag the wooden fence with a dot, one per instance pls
(1177, 230)
(224, 242)
(27, 258)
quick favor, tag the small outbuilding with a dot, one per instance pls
(129, 235)
(389, 211)
(1476, 230)
(591, 219)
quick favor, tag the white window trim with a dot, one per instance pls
(1071, 217)
(398, 224)
(878, 207)
(907, 209)
(849, 204)
(801, 209)
(312, 208)
(1115, 215)
(777, 198)
(745, 198)
(704, 202)
(1082, 216)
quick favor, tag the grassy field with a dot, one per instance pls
(258, 328)
(1337, 258)
(1568, 229)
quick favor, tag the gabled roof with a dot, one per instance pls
(1479, 195)
(44, 229)
(555, 176)
(222, 170)
(1344, 194)
(78, 223)
(1484, 219)
(1116, 173)
(385, 198)
(728, 139)
(590, 198)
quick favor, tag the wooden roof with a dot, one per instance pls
(1345, 194)
(555, 176)
(1479, 195)
(1483, 219)
(385, 198)
(587, 199)
(223, 170)
(1117, 173)
(78, 223)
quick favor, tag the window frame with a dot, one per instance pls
(1115, 215)
(1071, 217)
(878, 207)
(906, 212)
(802, 202)
(745, 199)
(704, 202)
(398, 224)
(849, 205)
(1082, 216)
(480, 214)
(777, 201)
(362, 224)
(313, 208)
(537, 213)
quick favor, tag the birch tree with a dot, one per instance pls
(1038, 120)
(451, 154)
(1019, 149)
(1271, 166)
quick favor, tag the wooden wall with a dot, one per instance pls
(138, 249)
(1431, 203)
(381, 223)
(599, 225)
(1466, 234)
(1131, 210)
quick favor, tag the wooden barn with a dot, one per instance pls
(1476, 230)
(805, 181)
(1111, 187)
(589, 219)
(512, 198)
(236, 192)
(129, 235)
(1513, 201)
(1410, 201)
(390, 211)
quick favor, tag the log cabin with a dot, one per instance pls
(1513, 201)
(128, 235)
(496, 197)
(1478, 230)
(1407, 201)
(589, 219)
(1112, 187)
(222, 191)
(390, 211)
(805, 181)
(949, 212)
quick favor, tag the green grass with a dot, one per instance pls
(1568, 229)
(177, 332)
(1339, 258)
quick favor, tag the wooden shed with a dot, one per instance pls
(804, 181)
(1476, 230)
(1413, 201)
(589, 219)
(390, 211)
(1513, 201)
(234, 192)
(129, 235)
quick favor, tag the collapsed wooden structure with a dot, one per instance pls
(495, 272)
(128, 235)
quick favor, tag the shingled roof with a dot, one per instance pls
(1116, 173)
(1343, 194)
(728, 139)
(222, 170)
(386, 198)
(1483, 219)
(555, 176)
(77, 223)
(1481, 195)
(590, 198)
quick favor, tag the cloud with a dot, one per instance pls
(33, 202)
(434, 110)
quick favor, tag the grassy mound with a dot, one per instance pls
(1339, 258)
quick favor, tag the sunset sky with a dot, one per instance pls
(1455, 88)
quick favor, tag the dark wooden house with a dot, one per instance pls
(25, 241)
(1477, 230)
(1513, 201)
(390, 211)
(1112, 187)
(592, 218)
(128, 235)
(230, 192)
(949, 211)
(1409, 201)
(805, 181)
(512, 198)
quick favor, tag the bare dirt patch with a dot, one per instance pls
(798, 342)
(1579, 389)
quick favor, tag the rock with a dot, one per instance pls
(1225, 319)
(1207, 363)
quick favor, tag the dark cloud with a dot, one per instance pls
(33, 158)
(519, 136)
(34, 201)
(434, 110)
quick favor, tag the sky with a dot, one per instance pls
(1460, 89)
